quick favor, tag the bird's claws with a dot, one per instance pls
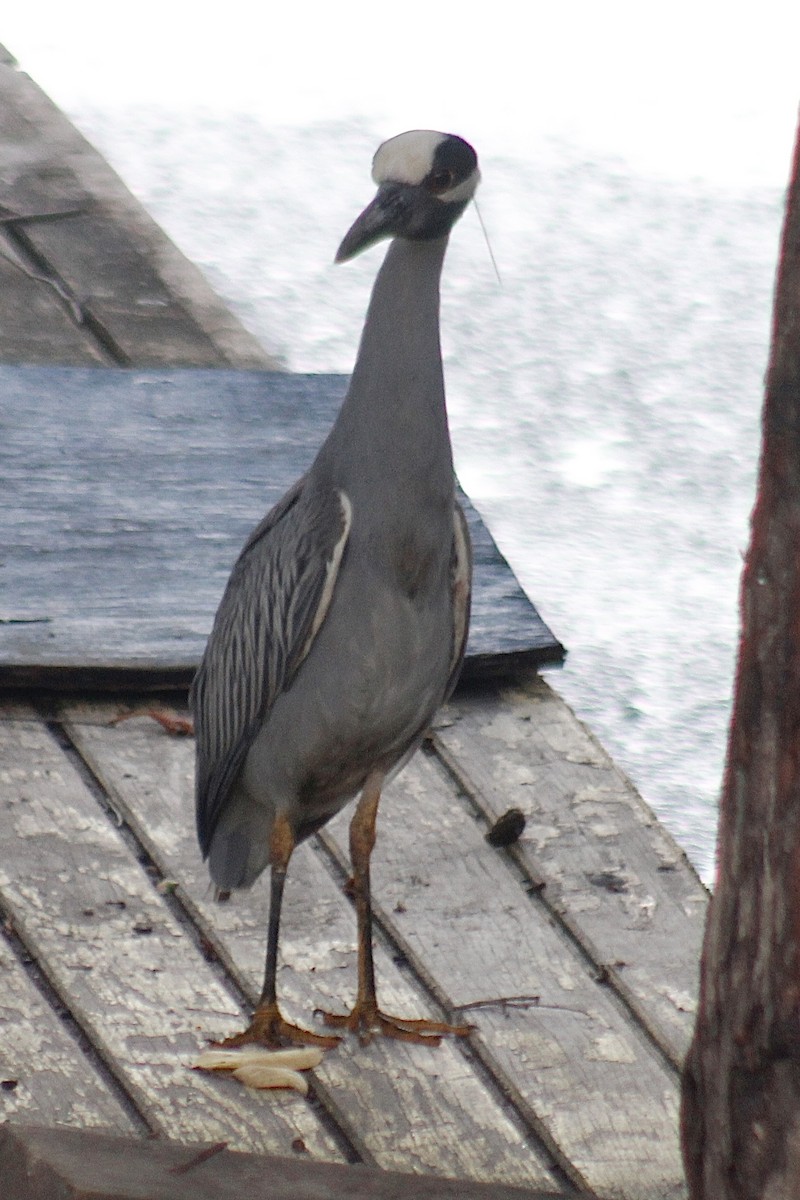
(270, 1028)
(366, 1019)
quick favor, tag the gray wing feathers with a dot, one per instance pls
(275, 601)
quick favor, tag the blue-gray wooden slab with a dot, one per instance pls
(127, 496)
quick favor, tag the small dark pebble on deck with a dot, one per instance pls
(507, 829)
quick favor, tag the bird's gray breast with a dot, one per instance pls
(375, 674)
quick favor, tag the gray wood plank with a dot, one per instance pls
(544, 1022)
(153, 304)
(35, 325)
(94, 255)
(46, 1078)
(576, 1064)
(129, 520)
(113, 951)
(412, 1107)
(609, 869)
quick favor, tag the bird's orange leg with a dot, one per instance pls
(366, 1018)
(268, 1026)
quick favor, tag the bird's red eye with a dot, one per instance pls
(440, 181)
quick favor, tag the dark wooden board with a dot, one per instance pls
(65, 1164)
(129, 494)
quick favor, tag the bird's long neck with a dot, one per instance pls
(393, 420)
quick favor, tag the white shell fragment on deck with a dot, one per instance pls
(257, 1067)
(257, 1075)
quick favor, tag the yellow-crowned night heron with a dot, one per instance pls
(343, 624)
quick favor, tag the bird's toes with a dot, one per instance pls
(271, 1029)
(366, 1019)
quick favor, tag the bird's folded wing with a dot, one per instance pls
(275, 602)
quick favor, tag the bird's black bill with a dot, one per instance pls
(377, 221)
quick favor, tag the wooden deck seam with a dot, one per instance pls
(203, 935)
(146, 854)
(184, 1109)
(492, 1075)
(473, 1048)
(567, 1173)
(29, 253)
(47, 988)
(532, 1128)
(37, 965)
(605, 973)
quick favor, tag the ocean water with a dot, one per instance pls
(604, 394)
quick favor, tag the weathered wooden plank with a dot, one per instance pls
(153, 304)
(99, 570)
(45, 1077)
(544, 1021)
(92, 253)
(411, 1106)
(133, 979)
(575, 1062)
(45, 1164)
(610, 870)
(35, 324)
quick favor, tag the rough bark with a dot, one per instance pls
(741, 1088)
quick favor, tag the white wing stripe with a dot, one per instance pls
(331, 572)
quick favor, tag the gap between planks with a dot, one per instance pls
(659, 1144)
(50, 1069)
(535, 884)
(192, 920)
(485, 1146)
(112, 952)
(612, 873)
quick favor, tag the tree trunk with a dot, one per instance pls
(741, 1087)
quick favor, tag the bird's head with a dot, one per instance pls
(425, 181)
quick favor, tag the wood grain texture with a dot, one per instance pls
(405, 1106)
(572, 1060)
(567, 1051)
(130, 517)
(45, 1077)
(46, 1164)
(607, 867)
(150, 304)
(109, 945)
(741, 1088)
(35, 323)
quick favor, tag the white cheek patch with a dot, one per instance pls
(406, 158)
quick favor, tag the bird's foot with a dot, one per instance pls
(366, 1019)
(270, 1028)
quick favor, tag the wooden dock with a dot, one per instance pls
(573, 952)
